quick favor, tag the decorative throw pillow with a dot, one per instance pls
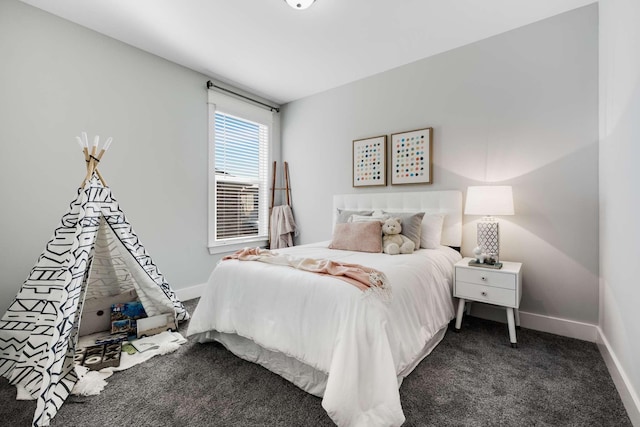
(411, 225)
(358, 236)
(344, 215)
(431, 231)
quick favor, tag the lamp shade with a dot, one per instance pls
(299, 4)
(489, 200)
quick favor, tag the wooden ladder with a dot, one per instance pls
(286, 187)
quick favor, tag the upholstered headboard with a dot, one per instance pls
(444, 202)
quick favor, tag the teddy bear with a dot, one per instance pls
(393, 242)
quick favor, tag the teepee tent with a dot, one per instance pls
(94, 253)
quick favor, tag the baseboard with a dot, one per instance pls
(191, 292)
(627, 393)
(554, 325)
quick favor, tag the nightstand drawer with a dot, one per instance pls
(487, 294)
(486, 277)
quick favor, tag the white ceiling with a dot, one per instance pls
(267, 48)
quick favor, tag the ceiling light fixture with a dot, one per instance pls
(300, 4)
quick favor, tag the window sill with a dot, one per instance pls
(224, 248)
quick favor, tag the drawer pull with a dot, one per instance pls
(483, 278)
(484, 293)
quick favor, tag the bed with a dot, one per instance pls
(350, 347)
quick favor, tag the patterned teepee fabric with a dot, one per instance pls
(39, 331)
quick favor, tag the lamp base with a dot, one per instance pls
(489, 237)
(475, 263)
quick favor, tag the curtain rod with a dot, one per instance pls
(210, 85)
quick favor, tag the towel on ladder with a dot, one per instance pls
(283, 227)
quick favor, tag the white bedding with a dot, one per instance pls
(360, 346)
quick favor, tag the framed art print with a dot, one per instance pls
(411, 157)
(370, 162)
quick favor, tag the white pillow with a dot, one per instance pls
(343, 215)
(368, 218)
(431, 232)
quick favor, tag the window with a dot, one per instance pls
(240, 175)
(240, 145)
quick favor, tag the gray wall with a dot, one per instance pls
(520, 108)
(58, 79)
(619, 195)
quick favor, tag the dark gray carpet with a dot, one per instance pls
(473, 378)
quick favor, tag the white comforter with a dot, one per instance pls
(365, 346)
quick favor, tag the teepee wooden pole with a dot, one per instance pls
(96, 160)
(105, 147)
(101, 178)
(92, 162)
(90, 169)
(85, 151)
(86, 157)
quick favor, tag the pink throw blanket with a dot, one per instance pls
(363, 278)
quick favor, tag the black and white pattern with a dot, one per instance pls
(489, 237)
(39, 331)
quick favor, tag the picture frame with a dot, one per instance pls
(370, 162)
(412, 157)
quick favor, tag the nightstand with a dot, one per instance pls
(501, 287)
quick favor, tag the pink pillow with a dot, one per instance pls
(358, 236)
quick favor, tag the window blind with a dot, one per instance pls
(241, 162)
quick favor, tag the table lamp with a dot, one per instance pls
(488, 201)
